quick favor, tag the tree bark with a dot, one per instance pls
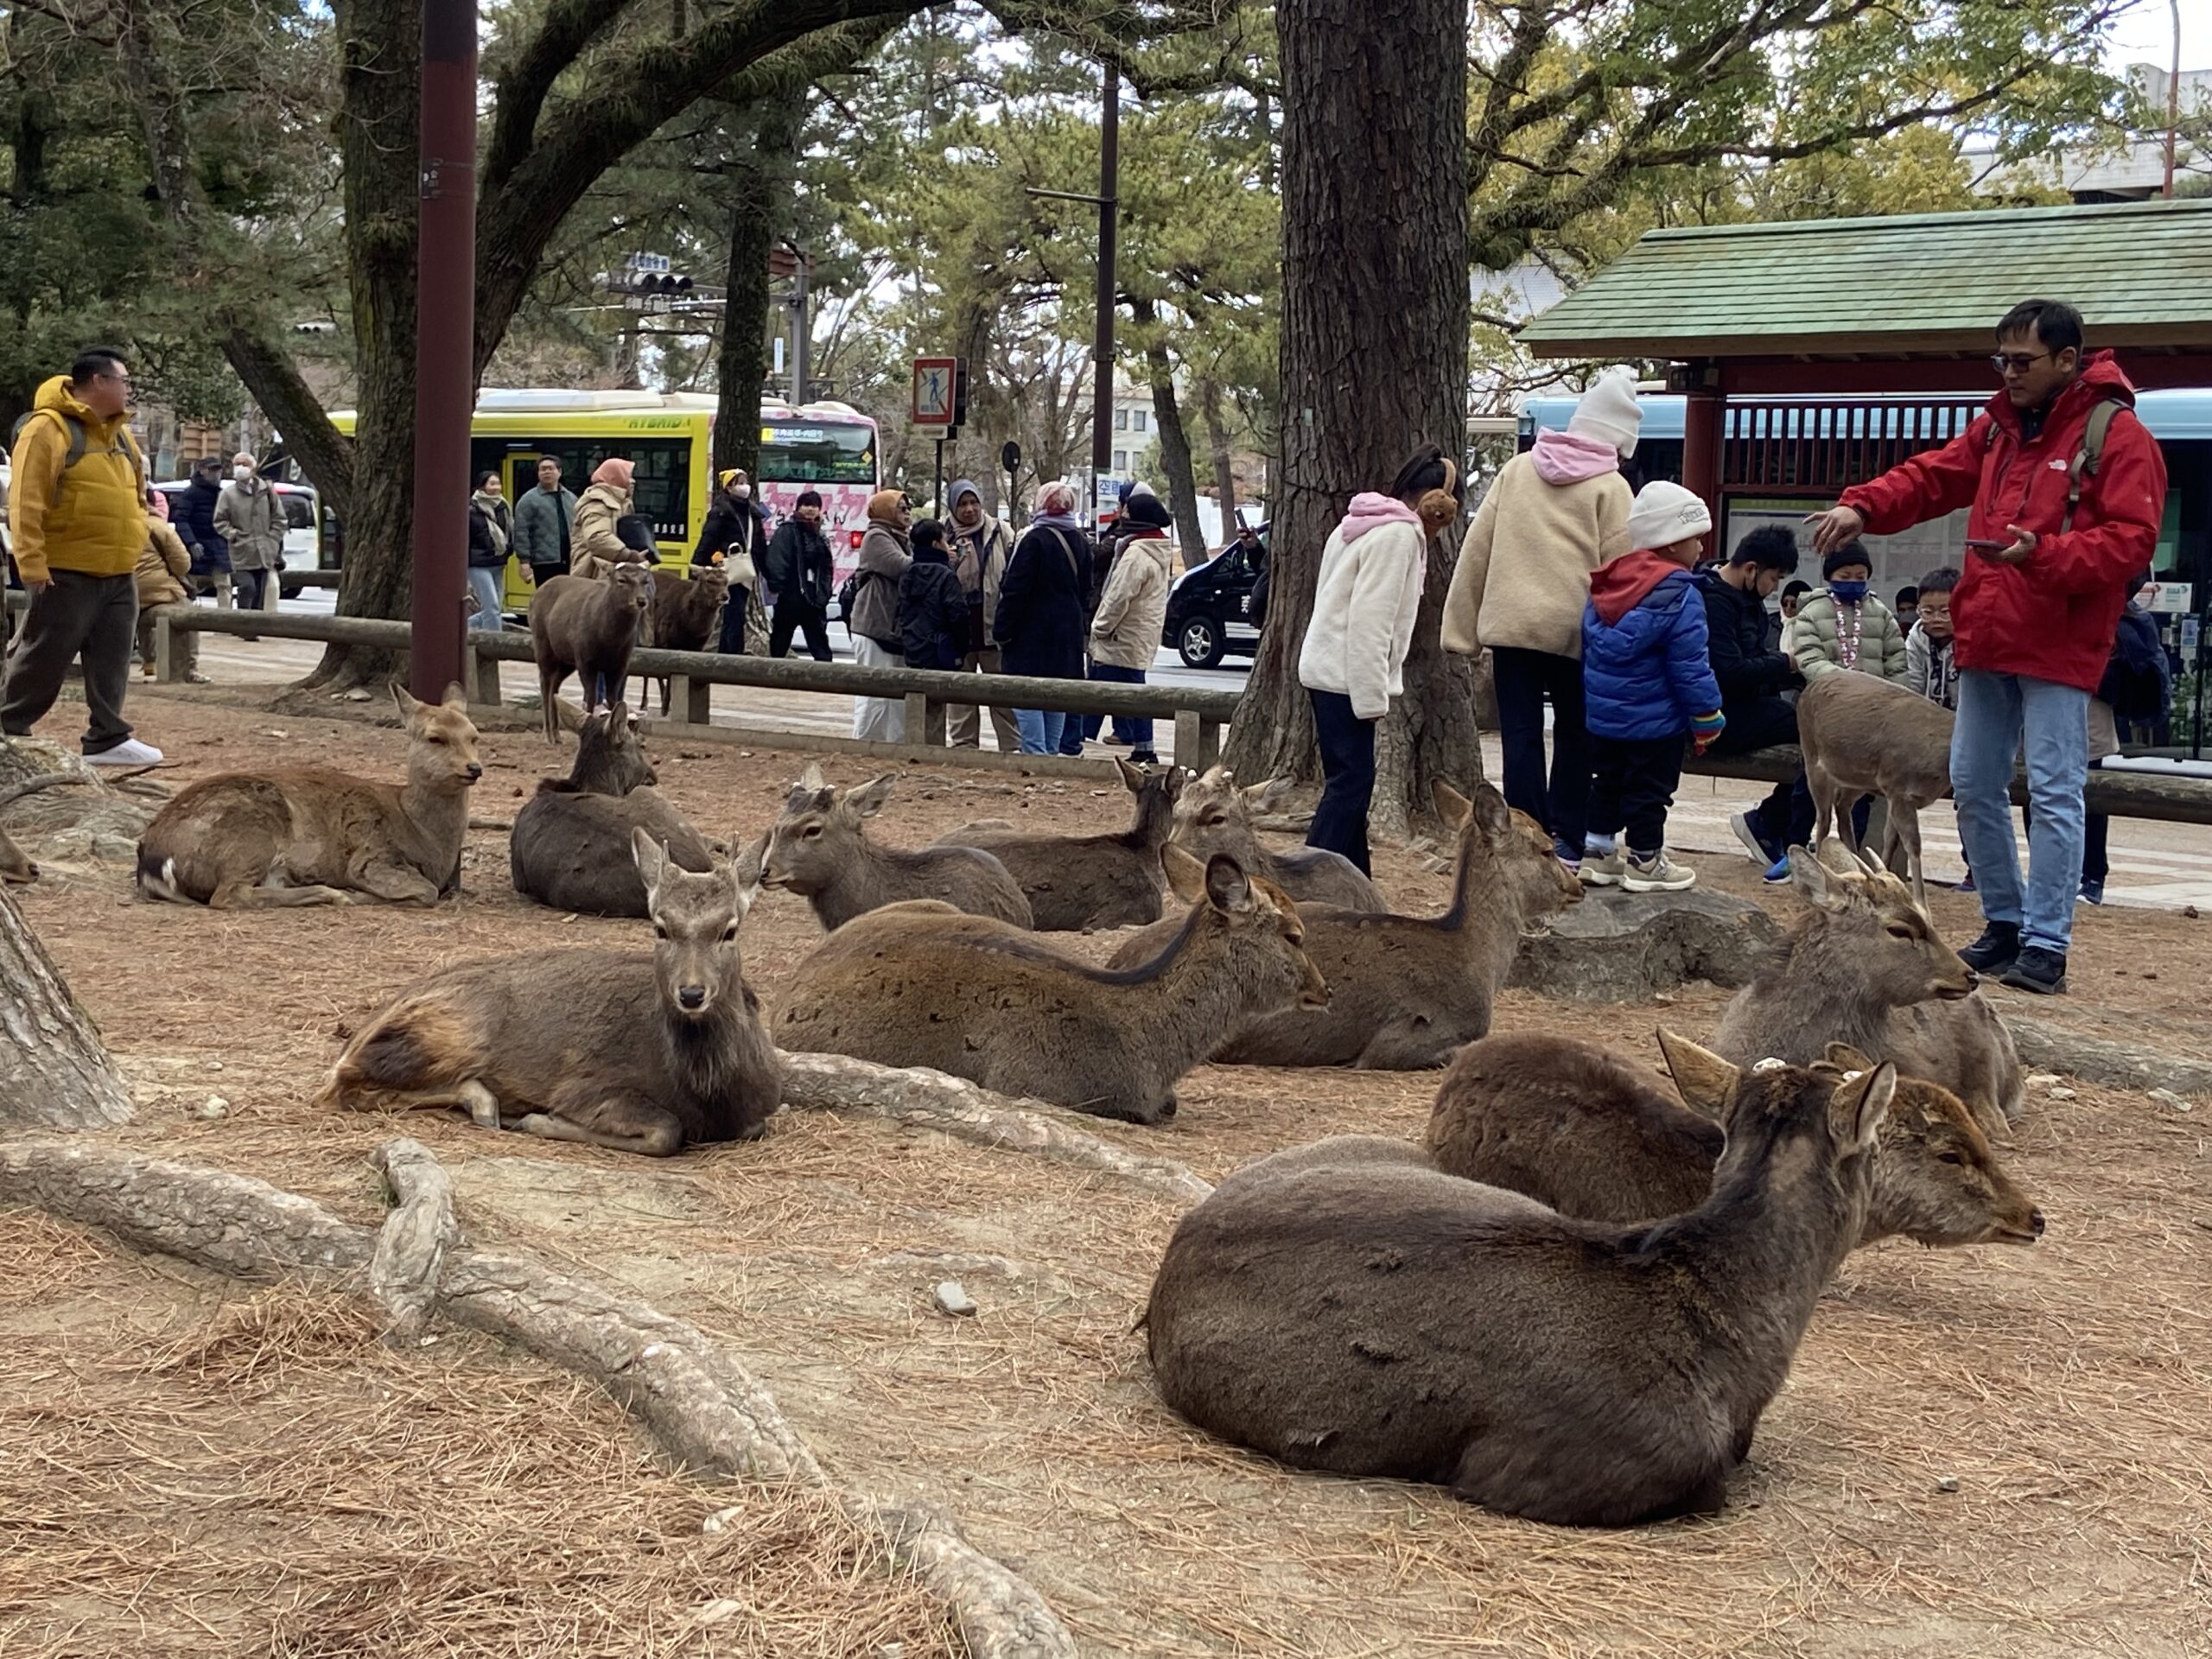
(762, 183)
(1175, 469)
(54, 1071)
(1225, 461)
(1374, 318)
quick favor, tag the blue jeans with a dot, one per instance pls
(1997, 713)
(1137, 734)
(489, 584)
(1040, 731)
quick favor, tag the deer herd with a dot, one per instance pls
(1571, 1299)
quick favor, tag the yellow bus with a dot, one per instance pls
(668, 438)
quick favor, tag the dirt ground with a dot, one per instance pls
(1992, 1451)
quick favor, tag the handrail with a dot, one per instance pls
(2115, 794)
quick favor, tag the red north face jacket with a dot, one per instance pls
(2054, 618)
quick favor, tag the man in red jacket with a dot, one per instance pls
(2054, 544)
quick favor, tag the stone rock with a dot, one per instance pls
(951, 1299)
(2168, 1098)
(1625, 947)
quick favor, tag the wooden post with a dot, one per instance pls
(479, 674)
(918, 718)
(692, 700)
(1704, 417)
(1193, 738)
(165, 663)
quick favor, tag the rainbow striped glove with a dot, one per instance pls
(1705, 729)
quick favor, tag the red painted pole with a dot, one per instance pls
(445, 332)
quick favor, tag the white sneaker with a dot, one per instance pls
(129, 753)
(1656, 875)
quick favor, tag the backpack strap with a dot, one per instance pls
(2089, 455)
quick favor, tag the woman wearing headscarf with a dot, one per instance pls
(873, 621)
(734, 536)
(491, 533)
(1040, 623)
(163, 567)
(597, 543)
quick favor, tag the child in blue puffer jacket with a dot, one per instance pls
(1648, 685)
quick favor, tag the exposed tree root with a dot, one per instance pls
(2118, 1065)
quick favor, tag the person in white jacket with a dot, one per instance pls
(1352, 660)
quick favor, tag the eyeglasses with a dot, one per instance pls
(2016, 362)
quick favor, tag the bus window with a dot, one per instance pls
(802, 452)
(660, 487)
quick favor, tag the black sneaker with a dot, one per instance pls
(2038, 969)
(1996, 949)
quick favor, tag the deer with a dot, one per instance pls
(1861, 736)
(1587, 1133)
(1370, 1316)
(639, 1051)
(687, 614)
(569, 847)
(588, 626)
(17, 866)
(1214, 815)
(924, 984)
(1405, 992)
(819, 849)
(1863, 966)
(310, 835)
(1080, 884)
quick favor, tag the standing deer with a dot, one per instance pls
(1084, 883)
(686, 614)
(1375, 1318)
(307, 836)
(1405, 991)
(1864, 967)
(637, 1051)
(1214, 815)
(922, 984)
(588, 626)
(571, 845)
(1861, 736)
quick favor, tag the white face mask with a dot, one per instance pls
(742, 491)
(241, 473)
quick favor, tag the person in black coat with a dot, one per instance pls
(801, 573)
(195, 528)
(1040, 626)
(735, 537)
(932, 615)
(1753, 676)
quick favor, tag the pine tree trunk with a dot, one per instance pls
(1175, 467)
(1225, 461)
(54, 1071)
(761, 206)
(1374, 318)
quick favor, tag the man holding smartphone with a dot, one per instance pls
(2066, 490)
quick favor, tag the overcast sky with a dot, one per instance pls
(2145, 35)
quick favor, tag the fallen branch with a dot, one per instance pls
(916, 1095)
(2049, 1047)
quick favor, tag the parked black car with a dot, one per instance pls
(1210, 607)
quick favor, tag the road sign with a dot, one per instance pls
(936, 391)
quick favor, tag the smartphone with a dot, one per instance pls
(1976, 544)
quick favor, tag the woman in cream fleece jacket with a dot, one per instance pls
(1552, 517)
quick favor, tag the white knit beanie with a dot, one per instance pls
(1666, 513)
(1609, 411)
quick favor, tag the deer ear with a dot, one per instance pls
(1132, 777)
(1263, 797)
(618, 719)
(1491, 814)
(1452, 806)
(1845, 1058)
(811, 780)
(1704, 1081)
(745, 874)
(1815, 880)
(1856, 1109)
(405, 701)
(1187, 877)
(653, 862)
(1173, 778)
(1227, 888)
(867, 800)
(455, 697)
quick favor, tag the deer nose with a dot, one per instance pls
(693, 997)
(2035, 1222)
(474, 771)
(1974, 980)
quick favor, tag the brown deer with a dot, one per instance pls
(1214, 815)
(571, 845)
(308, 835)
(1405, 991)
(1586, 1132)
(820, 849)
(588, 626)
(1864, 967)
(1864, 736)
(922, 984)
(1372, 1317)
(639, 1052)
(1084, 883)
(687, 614)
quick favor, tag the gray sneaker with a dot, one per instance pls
(1656, 875)
(1602, 869)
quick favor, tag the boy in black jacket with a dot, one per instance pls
(932, 613)
(1751, 677)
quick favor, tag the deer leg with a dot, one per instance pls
(249, 894)
(1904, 830)
(618, 1124)
(395, 884)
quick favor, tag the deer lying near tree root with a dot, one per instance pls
(569, 847)
(1214, 815)
(1864, 736)
(1086, 883)
(588, 626)
(311, 837)
(1579, 1129)
(636, 1051)
(1372, 1317)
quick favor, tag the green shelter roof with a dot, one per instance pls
(1916, 285)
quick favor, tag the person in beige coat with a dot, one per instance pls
(1125, 632)
(594, 547)
(1552, 516)
(163, 565)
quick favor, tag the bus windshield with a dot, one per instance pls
(815, 452)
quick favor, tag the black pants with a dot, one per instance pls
(1784, 818)
(1348, 778)
(1632, 783)
(1524, 679)
(542, 573)
(732, 640)
(94, 617)
(794, 614)
(251, 588)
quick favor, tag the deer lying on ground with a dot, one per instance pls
(1082, 883)
(687, 614)
(307, 836)
(639, 1051)
(16, 867)
(1405, 991)
(1864, 736)
(1372, 1317)
(1864, 967)
(571, 845)
(1591, 1136)
(588, 626)
(922, 984)
(820, 849)
(1213, 815)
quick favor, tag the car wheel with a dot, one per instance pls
(1201, 642)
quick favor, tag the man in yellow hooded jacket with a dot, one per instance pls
(77, 519)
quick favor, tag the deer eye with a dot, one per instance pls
(1899, 931)
(729, 934)
(1217, 819)
(813, 830)
(659, 933)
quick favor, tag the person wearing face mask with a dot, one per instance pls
(251, 520)
(1847, 626)
(799, 570)
(735, 537)
(195, 527)
(491, 536)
